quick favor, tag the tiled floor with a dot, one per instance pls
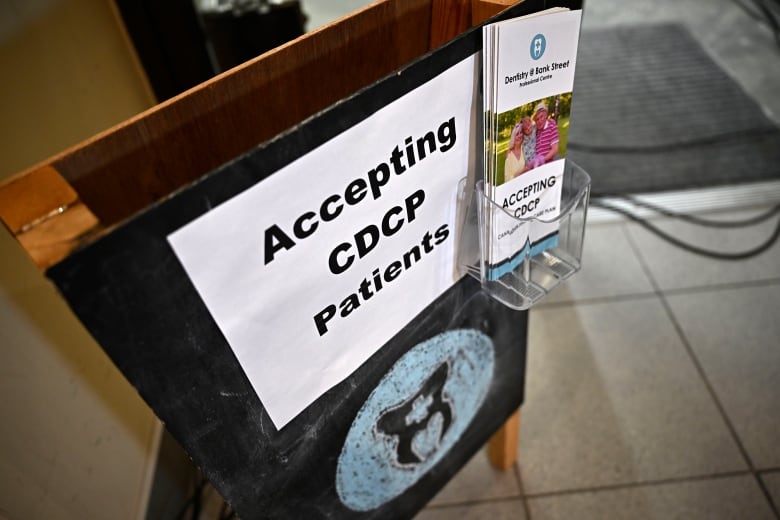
(653, 388)
(653, 379)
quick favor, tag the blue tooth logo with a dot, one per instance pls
(538, 46)
(417, 412)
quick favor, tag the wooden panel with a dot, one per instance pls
(449, 18)
(484, 9)
(135, 164)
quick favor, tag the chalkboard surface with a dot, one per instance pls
(378, 445)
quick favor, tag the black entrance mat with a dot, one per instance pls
(653, 112)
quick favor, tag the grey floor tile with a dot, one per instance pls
(772, 483)
(674, 268)
(720, 498)
(496, 510)
(735, 334)
(478, 481)
(612, 397)
(609, 267)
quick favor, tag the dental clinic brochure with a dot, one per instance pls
(528, 65)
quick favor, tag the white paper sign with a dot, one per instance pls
(309, 272)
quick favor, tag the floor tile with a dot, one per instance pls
(612, 397)
(674, 268)
(17, 270)
(772, 483)
(609, 268)
(496, 510)
(76, 438)
(23, 486)
(735, 334)
(478, 481)
(719, 498)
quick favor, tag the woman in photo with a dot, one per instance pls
(515, 161)
(529, 140)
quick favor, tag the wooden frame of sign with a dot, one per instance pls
(94, 218)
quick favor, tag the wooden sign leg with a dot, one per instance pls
(502, 447)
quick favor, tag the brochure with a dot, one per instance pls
(528, 78)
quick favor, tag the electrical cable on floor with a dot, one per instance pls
(766, 14)
(692, 219)
(719, 255)
(770, 16)
(597, 199)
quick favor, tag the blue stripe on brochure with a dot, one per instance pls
(508, 266)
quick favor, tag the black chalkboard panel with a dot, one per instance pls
(378, 445)
(174, 354)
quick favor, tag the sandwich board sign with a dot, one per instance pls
(296, 317)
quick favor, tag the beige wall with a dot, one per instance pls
(67, 74)
(76, 440)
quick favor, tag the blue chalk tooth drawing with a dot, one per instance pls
(410, 421)
(417, 412)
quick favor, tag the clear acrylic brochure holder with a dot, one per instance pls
(534, 274)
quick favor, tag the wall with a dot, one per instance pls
(76, 441)
(68, 73)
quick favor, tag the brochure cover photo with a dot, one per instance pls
(531, 135)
